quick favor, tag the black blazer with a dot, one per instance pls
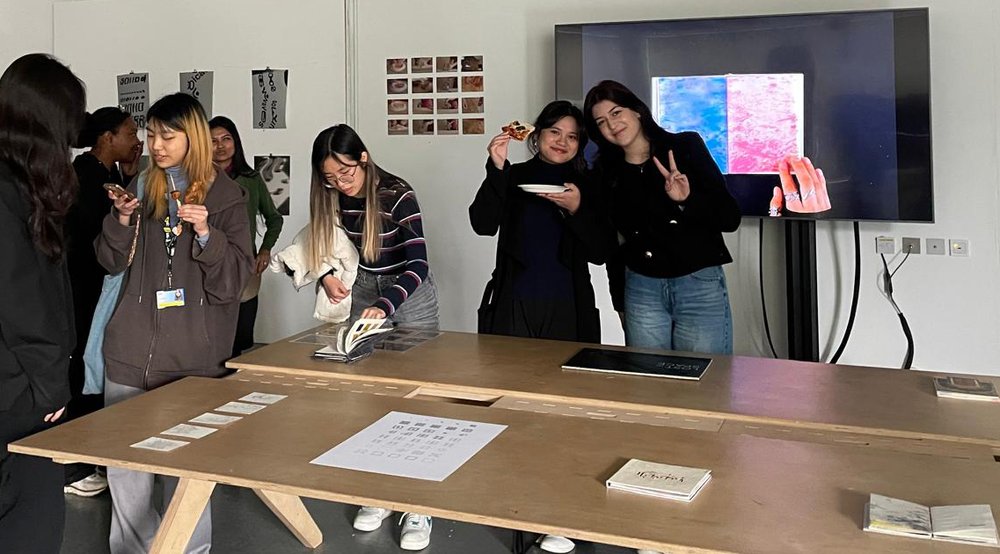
(36, 313)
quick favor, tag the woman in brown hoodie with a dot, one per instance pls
(178, 308)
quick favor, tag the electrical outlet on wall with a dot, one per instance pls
(959, 247)
(910, 245)
(885, 245)
(936, 247)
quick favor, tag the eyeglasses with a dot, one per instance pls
(346, 170)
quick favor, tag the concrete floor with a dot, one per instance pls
(242, 524)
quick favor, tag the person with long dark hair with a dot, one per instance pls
(227, 152)
(180, 295)
(541, 287)
(670, 206)
(41, 113)
(382, 218)
(114, 153)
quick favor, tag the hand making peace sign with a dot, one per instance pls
(675, 183)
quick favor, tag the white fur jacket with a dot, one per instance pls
(344, 262)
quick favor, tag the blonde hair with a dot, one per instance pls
(180, 113)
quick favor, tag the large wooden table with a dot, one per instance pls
(807, 401)
(545, 473)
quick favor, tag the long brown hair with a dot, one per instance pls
(338, 142)
(182, 113)
(42, 107)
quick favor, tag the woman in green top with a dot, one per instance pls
(227, 152)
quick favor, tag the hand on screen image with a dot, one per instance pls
(809, 197)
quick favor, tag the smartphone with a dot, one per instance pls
(118, 191)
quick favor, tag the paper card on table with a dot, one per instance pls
(189, 431)
(158, 444)
(240, 408)
(411, 445)
(208, 418)
(263, 397)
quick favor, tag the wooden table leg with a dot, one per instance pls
(182, 516)
(293, 514)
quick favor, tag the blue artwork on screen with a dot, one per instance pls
(695, 104)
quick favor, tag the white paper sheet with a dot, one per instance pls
(208, 418)
(189, 431)
(412, 445)
(263, 397)
(240, 408)
(158, 444)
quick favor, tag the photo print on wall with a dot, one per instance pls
(199, 84)
(270, 96)
(421, 87)
(276, 172)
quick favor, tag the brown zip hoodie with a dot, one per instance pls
(146, 347)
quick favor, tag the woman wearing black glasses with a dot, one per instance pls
(380, 213)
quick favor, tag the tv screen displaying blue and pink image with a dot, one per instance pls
(848, 90)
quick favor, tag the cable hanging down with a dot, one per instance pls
(887, 282)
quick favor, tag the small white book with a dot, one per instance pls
(970, 524)
(356, 341)
(965, 388)
(660, 480)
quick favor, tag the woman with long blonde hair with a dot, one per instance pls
(182, 233)
(380, 213)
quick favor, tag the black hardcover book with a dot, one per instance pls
(638, 363)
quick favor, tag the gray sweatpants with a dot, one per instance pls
(134, 518)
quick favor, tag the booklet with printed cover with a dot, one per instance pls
(969, 524)
(355, 342)
(965, 388)
(660, 480)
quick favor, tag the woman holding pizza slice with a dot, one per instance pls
(541, 287)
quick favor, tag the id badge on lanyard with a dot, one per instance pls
(171, 297)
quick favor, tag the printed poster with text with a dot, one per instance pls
(270, 93)
(199, 84)
(133, 96)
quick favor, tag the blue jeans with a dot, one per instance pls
(689, 313)
(419, 311)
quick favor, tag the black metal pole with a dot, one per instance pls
(800, 282)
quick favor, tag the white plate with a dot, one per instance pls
(542, 188)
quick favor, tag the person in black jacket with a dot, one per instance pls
(110, 133)
(670, 206)
(41, 113)
(541, 287)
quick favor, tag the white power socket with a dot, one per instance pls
(959, 247)
(936, 246)
(885, 245)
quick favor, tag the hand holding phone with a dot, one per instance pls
(118, 191)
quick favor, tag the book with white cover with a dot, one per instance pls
(355, 342)
(660, 480)
(969, 524)
(965, 388)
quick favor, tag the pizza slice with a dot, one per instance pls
(518, 130)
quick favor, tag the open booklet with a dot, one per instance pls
(965, 388)
(969, 524)
(355, 342)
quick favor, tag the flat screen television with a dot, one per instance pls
(848, 90)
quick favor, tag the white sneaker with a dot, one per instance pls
(91, 485)
(416, 532)
(370, 519)
(556, 544)
(647, 551)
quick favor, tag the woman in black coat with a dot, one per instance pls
(41, 113)
(541, 287)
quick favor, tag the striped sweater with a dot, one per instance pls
(403, 252)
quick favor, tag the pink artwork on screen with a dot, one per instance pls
(765, 115)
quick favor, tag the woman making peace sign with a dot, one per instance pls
(670, 206)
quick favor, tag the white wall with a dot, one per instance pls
(25, 27)
(101, 39)
(950, 302)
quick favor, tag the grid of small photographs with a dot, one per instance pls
(435, 95)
